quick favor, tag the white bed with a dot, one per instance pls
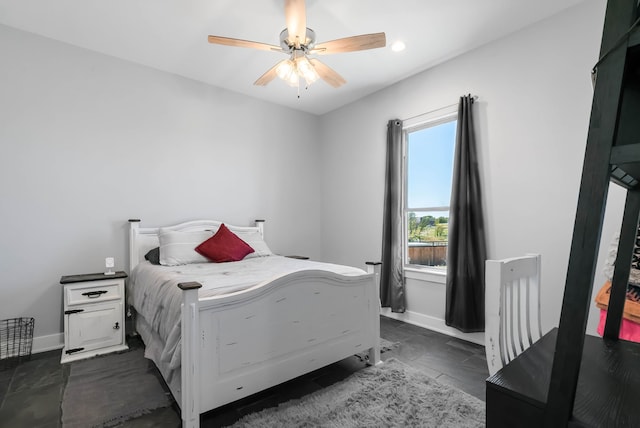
(219, 332)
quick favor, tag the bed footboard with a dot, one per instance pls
(242, 343)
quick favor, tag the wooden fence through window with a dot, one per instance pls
(433, 253)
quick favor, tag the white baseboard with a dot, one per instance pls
(47, 343)
(433, 323)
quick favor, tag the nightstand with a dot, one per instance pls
(93, 315)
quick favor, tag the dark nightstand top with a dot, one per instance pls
(69, 279)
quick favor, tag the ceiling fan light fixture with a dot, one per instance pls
(288, 72)
(298, 66)
(306, 70)
(285, 69)
(292, 79)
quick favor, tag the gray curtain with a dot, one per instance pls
(467, 245)
(391, 276)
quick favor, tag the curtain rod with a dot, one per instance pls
(474, 97)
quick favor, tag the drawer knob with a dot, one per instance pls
(94, 294)
(117, 326)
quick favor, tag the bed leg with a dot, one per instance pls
(374, 355)
(374, 352)
(190, 371)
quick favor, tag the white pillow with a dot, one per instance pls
(178, 248)
(255, 241)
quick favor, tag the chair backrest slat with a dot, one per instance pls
(528, 312)
(512, 316)
(520, 299)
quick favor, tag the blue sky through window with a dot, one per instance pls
(430, 166)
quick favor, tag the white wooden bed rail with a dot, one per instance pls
(241, 343)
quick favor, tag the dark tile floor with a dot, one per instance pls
(31, 393)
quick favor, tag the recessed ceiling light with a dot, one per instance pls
(398, 46)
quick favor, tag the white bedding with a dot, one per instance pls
(152, 290)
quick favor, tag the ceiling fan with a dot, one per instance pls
(299, 42)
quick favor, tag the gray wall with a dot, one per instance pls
(532, 118)
(89, 141)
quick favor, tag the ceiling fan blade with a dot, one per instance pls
(296, 17)
(267, 77)
(350, 44)
(227, 41)
(327, 74)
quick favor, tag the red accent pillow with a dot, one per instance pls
(224, 246)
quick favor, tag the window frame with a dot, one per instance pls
(428, 120)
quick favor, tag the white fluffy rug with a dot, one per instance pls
(390, 395)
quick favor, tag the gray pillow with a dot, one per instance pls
(153, 256)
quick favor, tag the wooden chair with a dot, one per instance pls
(512, 308)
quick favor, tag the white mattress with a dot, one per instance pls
(153, 292)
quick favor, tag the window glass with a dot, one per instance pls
(430, 165)
(429, 152)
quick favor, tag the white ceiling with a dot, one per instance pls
(171, 35)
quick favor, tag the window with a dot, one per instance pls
(428, 168)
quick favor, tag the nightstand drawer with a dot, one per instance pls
(102, 292)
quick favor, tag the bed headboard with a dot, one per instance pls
(143, 239)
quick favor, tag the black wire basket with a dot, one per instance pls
(16, 340)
